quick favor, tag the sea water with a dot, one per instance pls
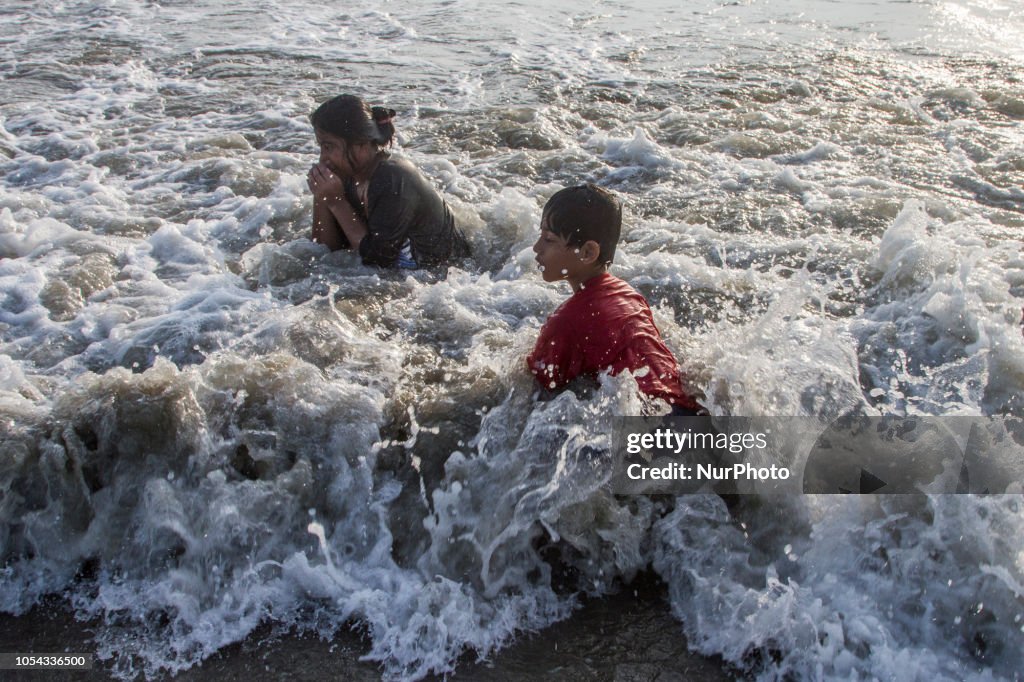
(209, 422)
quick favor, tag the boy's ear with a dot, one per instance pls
(590, 252)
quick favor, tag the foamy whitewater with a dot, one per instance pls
(210, 423)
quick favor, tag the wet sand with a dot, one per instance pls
(627, 637)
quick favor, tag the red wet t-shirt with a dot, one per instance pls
(607, 325)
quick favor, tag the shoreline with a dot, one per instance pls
(630, 636)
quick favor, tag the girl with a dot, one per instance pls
(365, 200)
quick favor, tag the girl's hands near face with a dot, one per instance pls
(325, 184)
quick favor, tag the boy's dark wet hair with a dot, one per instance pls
(349, 118)
(586, 213)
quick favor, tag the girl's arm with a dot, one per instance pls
(352, 226)
(326, 230)
(335, 224)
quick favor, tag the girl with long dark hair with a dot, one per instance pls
(364, 199)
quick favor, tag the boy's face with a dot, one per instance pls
(556, 258)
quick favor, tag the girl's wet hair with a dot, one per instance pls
(349, 118)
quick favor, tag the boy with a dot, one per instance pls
(605, 324)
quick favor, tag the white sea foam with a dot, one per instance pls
(210, 422)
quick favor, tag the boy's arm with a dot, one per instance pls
(556, 360)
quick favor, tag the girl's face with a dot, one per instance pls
(334, 153)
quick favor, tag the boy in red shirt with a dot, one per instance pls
(605, 324)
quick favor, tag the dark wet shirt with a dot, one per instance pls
(408, 223)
